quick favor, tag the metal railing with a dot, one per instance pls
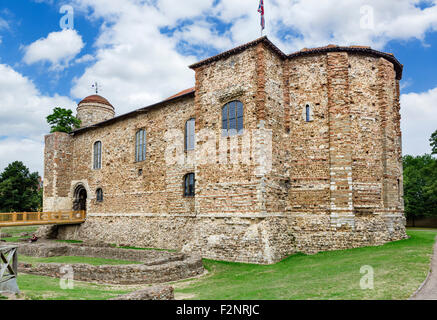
(8, 269)
(9, 219)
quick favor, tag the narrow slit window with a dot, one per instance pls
(190, 134)
(140, 145)
(97, 155)
(189, 185)
(308, 113)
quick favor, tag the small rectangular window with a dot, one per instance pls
(189, 189)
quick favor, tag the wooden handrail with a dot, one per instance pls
(41, 218)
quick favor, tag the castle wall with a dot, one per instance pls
(58, 157)
(332, 183)
(225, 182)
(150, 186)
(308, 142)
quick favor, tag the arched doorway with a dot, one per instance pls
(80, 196)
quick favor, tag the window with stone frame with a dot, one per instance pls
(99, 195)
(232, 118)
(189, 185)
(140, 145)
(97, 162)
(190, 134)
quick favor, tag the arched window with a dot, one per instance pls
(99, 195)
(140, 145)
(189, 134)
(189, 183)
(97, 155)
(232, 118)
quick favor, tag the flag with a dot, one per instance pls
(261, 10)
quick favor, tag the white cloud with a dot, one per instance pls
(29, 151)
(59, 48)
(312, 23)
(23, 115)
(136, 64)
(419, 121)
(3, 24)
(85, 58)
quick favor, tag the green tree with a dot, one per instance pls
(420, 185)
(19, 189)
(62, 120)
(433, 142)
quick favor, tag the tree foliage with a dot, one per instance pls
(62, 120)
(19, 191)
(420, 185)
(433, 142)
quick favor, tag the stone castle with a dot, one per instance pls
(324, 174)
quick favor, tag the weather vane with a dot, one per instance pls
(96, 87)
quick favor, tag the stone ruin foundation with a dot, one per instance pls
(156, 267)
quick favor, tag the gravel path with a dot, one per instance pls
(428, 290)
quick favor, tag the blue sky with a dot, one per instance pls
(139, 52)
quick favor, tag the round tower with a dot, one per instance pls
(94, 109)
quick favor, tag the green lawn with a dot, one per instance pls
(47, 288)
(16, 231)
(75, 259)
(399, 269)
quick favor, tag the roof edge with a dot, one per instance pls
(353, 49)
(331, 48)
(240, 49)
(131, 114)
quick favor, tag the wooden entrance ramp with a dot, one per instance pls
(12, 219)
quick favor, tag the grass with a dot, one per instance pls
(48, 288)
(74, 259)
(16, 231)
(70, 241)
(399, 269)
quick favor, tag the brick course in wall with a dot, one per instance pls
(335, 181)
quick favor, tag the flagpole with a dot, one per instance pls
(261, 11)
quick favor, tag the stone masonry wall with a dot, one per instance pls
(92, 112)
(58, 159)
(335, 181)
